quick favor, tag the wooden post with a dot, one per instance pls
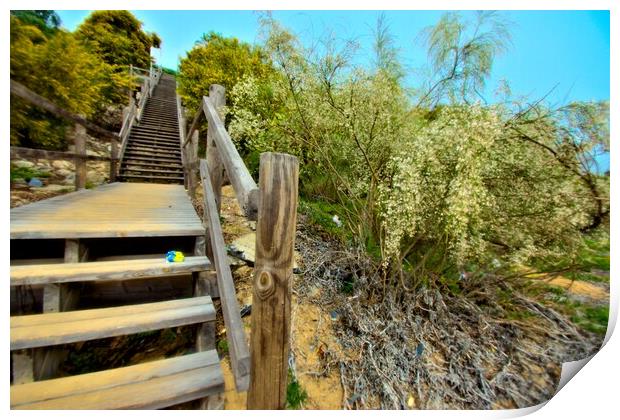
(271, 303)
(192, 163)
(214, 162)
(113, 159)
(58, 298)
(205, 335)
(80, 151)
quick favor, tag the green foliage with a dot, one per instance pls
(461, 55)
(170, 71)
(222, 346)
(320, 214)
(60, 68)
(118, 38)
(27, 173)
(295, 394)
(218, 60)
(593, 319)
(47, 21)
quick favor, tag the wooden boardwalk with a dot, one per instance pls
(109, 211)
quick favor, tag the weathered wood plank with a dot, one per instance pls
(24, 152)
(237, 344)
(197, 119)
(69, 327)
(22, 368)
(182, 128)
(216, 168)
(23, 92)
(149, 385)
(101, 271)
(271, 299)
(79, 140)
(111, 210)
(57, 298)
(114, 159)
(245, 188)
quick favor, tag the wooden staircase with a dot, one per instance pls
(105, 237)
(153, 152)
(90, 265)
(149, 385)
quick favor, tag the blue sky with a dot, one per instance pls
(568, 50)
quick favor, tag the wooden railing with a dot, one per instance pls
(263, 371)
(81, 126)
(133, 113)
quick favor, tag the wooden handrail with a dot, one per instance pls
(128, 122)
(244, 185)
(197, 119)
(17, 152)
(144, 94)
(23, 92)
(237, 344)
(182, 124)
(245, 188)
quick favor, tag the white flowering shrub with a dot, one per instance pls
(465, 184)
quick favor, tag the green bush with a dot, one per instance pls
(295, 394)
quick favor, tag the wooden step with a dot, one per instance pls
(152, 131)
(170, 141)
(178, 179)
(99, 271)
(154, 164)
(151, 164)
(49, 329)
(150, 157)
(170, 114)
(126, 171)
(172, 136)
(150, 127)
(159, 117)
(155, 143)
(147, 386)
(163, 150)
(155, 124)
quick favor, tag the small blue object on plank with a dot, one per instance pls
(175, 256)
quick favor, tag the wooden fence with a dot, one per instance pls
(263, 370)
(82, 125)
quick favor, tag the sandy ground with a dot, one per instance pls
(576, 287)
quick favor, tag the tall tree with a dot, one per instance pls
(462, 54)
(221, 60)
(47, 21)
(118, 37)
(59, 67)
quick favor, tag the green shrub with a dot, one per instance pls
(295, 394)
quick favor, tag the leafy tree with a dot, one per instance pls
(461, 55)
(63, 70)
(47, 21)
(218, 60)
(118, 38)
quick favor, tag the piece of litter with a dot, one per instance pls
(35, 182)
(175, 256)
(337, 221)
(334, 315)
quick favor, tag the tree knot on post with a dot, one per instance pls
(265, 286)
